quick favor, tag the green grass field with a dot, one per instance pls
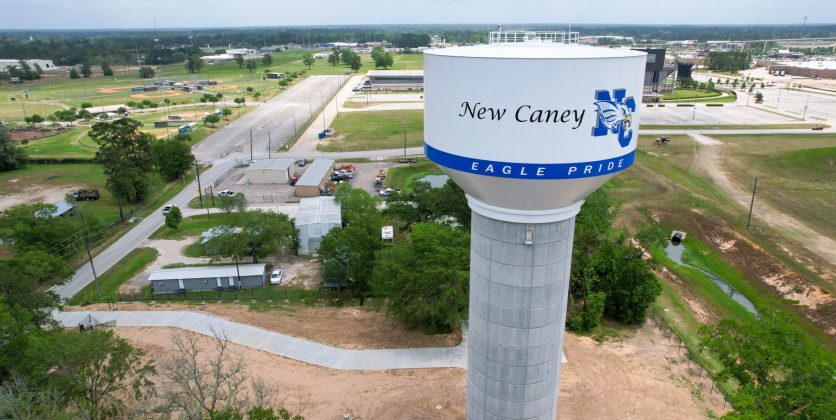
(796, 173)
(48, 95)
(35, 177)
(76, 144)
(110, 282)
(399, 177)
(375, 130)
(194, 226)
(689, 94)
(72, 144)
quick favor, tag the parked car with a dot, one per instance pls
(349, 174)
(86, 195)
(226, 193)
(387, 192)
(302, 162)
(339, 177)
(818, 128)
(293, 179)
(407, 161)
(276, 277)
(168, 208)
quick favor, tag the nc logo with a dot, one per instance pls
(615, 115)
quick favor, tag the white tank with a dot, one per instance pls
(529, 129)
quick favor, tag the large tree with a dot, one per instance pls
(308, 60)
(255, 233)
(106, 69)
(359, 208)
(32, 227)
(781, 372)
(348, 257)
(125, 154)
(426, 279)
(11, 156)
(194, 63)
(173, 156)
(98, 372)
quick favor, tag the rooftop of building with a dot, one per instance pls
(314, 210)
(271, 164)
(315, 173)
(210, 271)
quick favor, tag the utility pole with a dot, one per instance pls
(804, 115)
(323, 120)
(251, 145)
(294, 124)
(404, 143)
(90, 257)
(269, 142)
(752, 204)
(199, 192)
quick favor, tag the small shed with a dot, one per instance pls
(268, 171)
(317, 216)
(309, 183)
(215, 277)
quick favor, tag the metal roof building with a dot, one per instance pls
(309, 183)
(317, 216)
(268, 171)
(396, 79)
(215, 277)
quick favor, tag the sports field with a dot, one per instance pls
(48, 95)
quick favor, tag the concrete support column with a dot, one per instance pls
(518, 295)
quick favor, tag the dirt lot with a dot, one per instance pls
(35, 194)
(350, 328)
(366, 173)
(639, 377)
(19, 135)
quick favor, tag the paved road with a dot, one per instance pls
(273, 116)
(280, 344)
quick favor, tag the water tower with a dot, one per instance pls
(528, 126)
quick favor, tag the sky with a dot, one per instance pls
(130, 14)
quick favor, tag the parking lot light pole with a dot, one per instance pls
(294, 124)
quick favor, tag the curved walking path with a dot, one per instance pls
(283, 345)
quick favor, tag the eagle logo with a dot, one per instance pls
(615, 115)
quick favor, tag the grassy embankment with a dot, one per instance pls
(399, 177)
(110, 281)
(662, 186)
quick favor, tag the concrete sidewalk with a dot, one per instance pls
(280, 344)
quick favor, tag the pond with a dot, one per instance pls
(436, 181)
(674, 252)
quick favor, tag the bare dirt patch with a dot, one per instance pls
(641, 376)
(19, 135)
(322, 393)
(158, 94)
(35, 194)
(349, 328)
(637, 377)
(299, 272)
(114, 89)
